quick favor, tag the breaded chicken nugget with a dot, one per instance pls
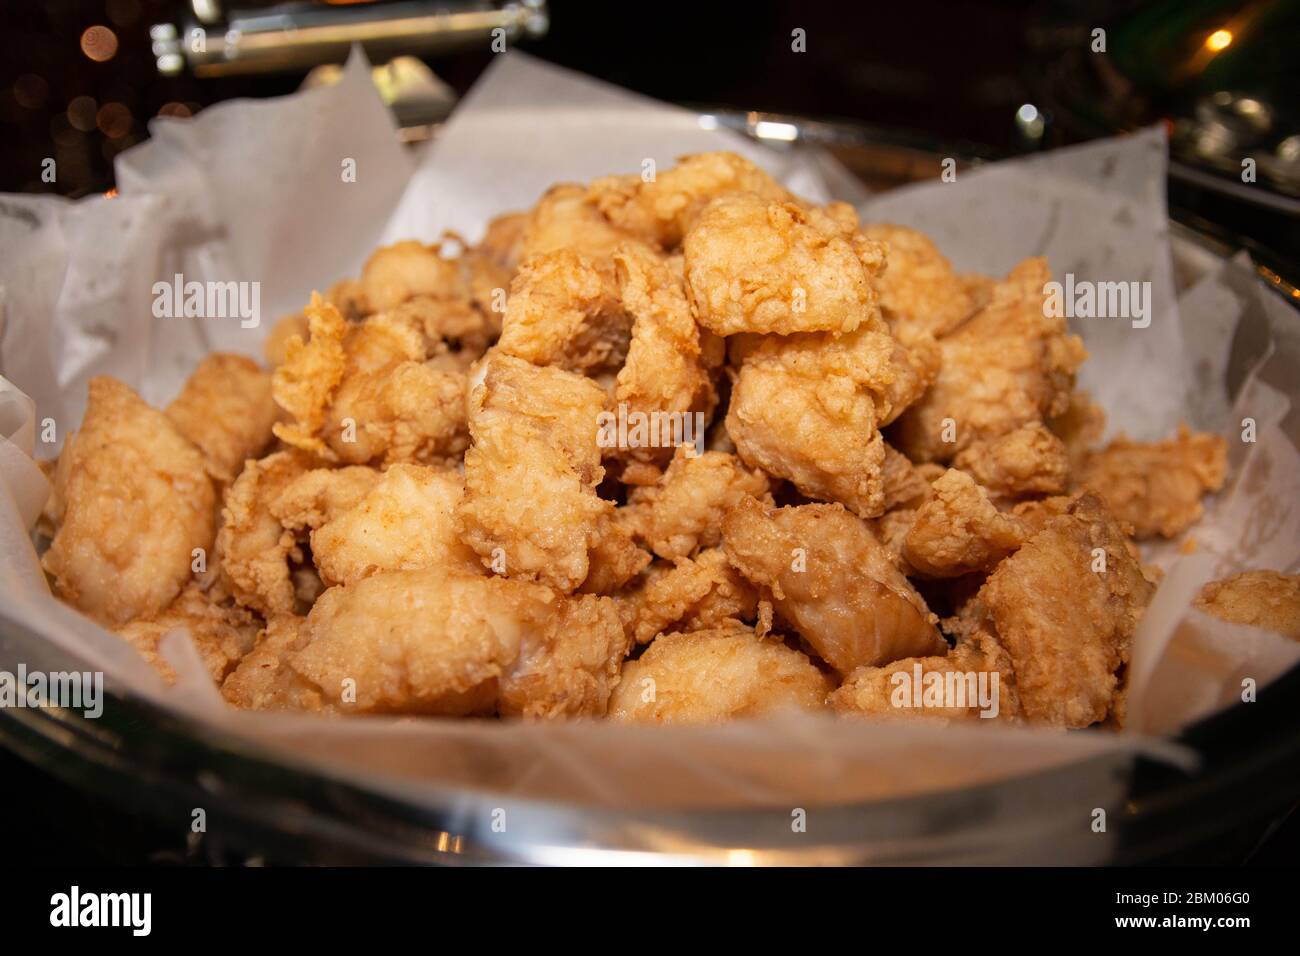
(263, 680)
(687, 596)
(1065, 607)
(1157, 486)
(754, 265)
(226, 410)
(1006, 366)
(832, 580)
(1264, 599)
(395, 273)
(132, 501)
(222, 633)
(660, 210)
(565, 218)
(959, 531)
(714, 675)
(919, 292)
(530, 509)
(683, 511)
(1027, 461)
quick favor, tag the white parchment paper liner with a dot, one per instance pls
(253, 191)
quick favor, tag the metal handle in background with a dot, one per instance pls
(295, 37)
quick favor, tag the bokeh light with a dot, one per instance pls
(1218, 40)
(99, 43)
(81, 113)
(31, 91)
(114, 120)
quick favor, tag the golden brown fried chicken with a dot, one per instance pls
(1157, 486)
(363, 393)
(692, 594)
(683, 511)
(717, 674)
(1006, 366)
(1079, 427)
(661, 209)
(1027, 461)
(395, 273)
(566, 218)
(406, 521)
(226, 410)
(977, 679)
(754, 265)
(131, 504)
(808, 408)
(263, 680)
(530, 509)
(1065, 606)
(1264, 599)
(832, 580)
(222, 633)
(959, 531)
(919, 292)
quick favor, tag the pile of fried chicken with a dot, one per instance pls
(412, 512)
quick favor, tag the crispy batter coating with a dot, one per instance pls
(614, 559)
(832, 580)
(754, 265)
(1027, 461)
(254, 546)
(666, 369)
(687, 596)
(660, 210)
(1080, 427)
(530, 509)
(1157, 486)
(919, 292)
(904, 483)
(314, 497)
(564, 312)
(959, 530)
(1066, 623)
(1006, 366)
(890, 692)
(808, 408)
(222, 633)
(362, 393)
(683, 511)
(1264, 599)
(395, 273)
(132, 500)
(713, 675)
(406, 521)
(566, 218)
(263, 680)
(226, 410)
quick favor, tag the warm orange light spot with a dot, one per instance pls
(1218, 40)
(99, 43)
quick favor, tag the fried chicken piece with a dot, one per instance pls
(959, 530)
(1264, 599)
(263, 680)
(395, 273)
(566, 219)
(503, 239)
(314, 497)
(570, 667)
(254, 546)
(1027, 461)
(614, 558)
(1157, 486)
(662, 209)
(286, 328)
(1034, 514)
(530, 502)
(754, 265)
(1079, 427)
(1006, 366)
(919, 292)
(690, 595)
(833, 581)
(226, 410)
(132, 502)
(406, 521)
(713, 675)
(977, 666)
(683, 512)
(222, 634)
(808, 408)
(455, 331)
(903, 483)
(362, 393)
(666, 370)
(563, 312)
(1068, 627)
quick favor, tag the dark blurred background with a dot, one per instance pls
(81, 79)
